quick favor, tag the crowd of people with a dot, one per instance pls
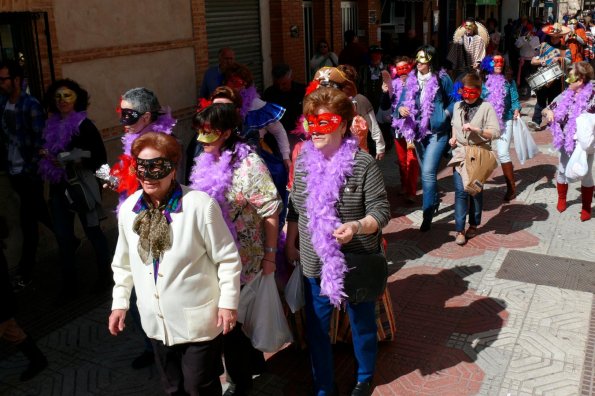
(289, 177)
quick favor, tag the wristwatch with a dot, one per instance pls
(270, 249)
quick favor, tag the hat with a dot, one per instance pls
(556, 30)
(330, 77)
(375, 48)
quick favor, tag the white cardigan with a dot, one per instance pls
(197, 276)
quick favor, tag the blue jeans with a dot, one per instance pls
(318, 319)
(465, 203)
(429, 154)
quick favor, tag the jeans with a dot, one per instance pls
(465, 203)
(33, 209)
(363, 328)
(63, 218)
(429, 154)
(503, 143)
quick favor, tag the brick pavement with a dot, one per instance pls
(461, 330)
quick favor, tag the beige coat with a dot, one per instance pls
(484, 118)
(199, 274)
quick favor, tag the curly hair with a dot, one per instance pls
(82, 96)
(237, 69)
(225, 92)
(333, 100)
(164, 143)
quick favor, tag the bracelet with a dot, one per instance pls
(270, 249)
(359, 227)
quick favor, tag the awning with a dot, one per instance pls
(486, 2)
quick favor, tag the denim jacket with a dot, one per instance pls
(30, 121)
(443, 106)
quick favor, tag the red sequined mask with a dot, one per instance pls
(405, 69)
(498, 61)
(471, 93)
(324, 123)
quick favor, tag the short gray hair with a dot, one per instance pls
(142, 100)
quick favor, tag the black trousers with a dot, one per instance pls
(33, 209)
(241, 359)
(190, 369)
(545, 96)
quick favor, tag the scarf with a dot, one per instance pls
(215, 177)
(57, 136)
(325, 179)
(571, 105)
(152, 223)
(496, 86)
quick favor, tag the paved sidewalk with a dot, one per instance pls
(466, 323)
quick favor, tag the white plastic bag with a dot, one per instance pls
(577, 166)
(247, 297)
(523, 141)
(264, 321)
(294, 290)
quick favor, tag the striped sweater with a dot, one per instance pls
(364, 194)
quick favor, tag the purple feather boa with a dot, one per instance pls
(214, 176)
(164, 124)
(570, 106)
(57, 135)
(496, 86)
(248, 95)
(324, 180)
(409, 128)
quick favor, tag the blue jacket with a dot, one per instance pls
(511, 101)
(443, 106)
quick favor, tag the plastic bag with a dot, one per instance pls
(294, 290)
(577, 166)
(523, 141)
(264, 319)
(247, 296)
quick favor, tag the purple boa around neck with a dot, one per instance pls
(496, 86)
(164, 124)
(57, 135)
(571, 105)
(407, 125)
(215, 176)
(324, 180)
(409, 128)
(248, 95)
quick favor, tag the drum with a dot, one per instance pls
(545, 75)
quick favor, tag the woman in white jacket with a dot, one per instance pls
(175, 248)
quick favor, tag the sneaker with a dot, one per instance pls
(471, 232)
(460, 239)
(532, 125)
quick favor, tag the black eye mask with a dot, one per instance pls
(129, 116)
(154, 168)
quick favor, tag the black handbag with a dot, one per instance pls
(366, 277)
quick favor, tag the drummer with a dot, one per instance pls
(550, 51)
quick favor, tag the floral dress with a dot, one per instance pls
(251, 197)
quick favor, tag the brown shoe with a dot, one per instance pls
(460, 239)
(471, 232)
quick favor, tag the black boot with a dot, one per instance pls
(362, 389)
(37, 360)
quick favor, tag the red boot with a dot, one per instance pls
(562, 190)
(587, 198)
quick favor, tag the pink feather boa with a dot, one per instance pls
(164, 124)
(324, 180)
(214, 176)
(409, 128)
(57, 135)
(496, 86)
(571, 105)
